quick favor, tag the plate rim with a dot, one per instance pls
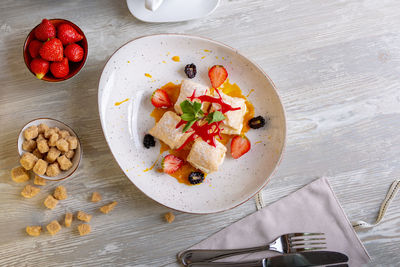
(236, 51)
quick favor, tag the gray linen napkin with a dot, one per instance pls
(313, 208)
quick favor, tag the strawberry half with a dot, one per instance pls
(217, 75)
(67, 34)
(40, 67)
(160, 99)
(171, 164)
(45, 30)
(34, 48)
(52, 50)
(60, 69)
(240, 145)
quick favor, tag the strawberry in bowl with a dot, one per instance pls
(55, 50)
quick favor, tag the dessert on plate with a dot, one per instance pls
(195, 122)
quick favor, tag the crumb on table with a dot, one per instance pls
(169, 217)
(33, 230)
(96, 197)
(68, 219)
(109, 207)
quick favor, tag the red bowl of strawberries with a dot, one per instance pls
(55, 50)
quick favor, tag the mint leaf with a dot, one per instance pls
(215, 117)
(196, 107)
(188, 125)
(187, 107)
(187, 117)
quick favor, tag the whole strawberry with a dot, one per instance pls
(60, 69)
(40, 67)
(52, 50)
(67, 34)
(34, 48)
(73, 52)
(45, 30)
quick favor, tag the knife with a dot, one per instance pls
(304, 259)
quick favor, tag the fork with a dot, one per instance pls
(287, 243)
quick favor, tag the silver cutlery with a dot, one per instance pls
(302, 259)
(287, 243)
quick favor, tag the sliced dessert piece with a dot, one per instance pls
(187, 89)
(233, 123)
(206, 157)
(166, 130)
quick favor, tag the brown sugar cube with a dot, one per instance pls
(31, 132)
(62, 145)
(40, 137)
(53, 227)
(37, 153)
(65, 163)
(68, 219)
(96, 197)
(28, 160)
(169, 217)
(60, 193)
(64, 134)
(70, 154)
(53, 170)
(52, 155)
(33, 230)
(109, 207)
(56, 129)
(42, 146)
(53, 139)
(73, 142)
(84, 229)
(19, 175)
(30, 191)
(83, 216)
(40, 167)
(50, 202)
(42, 128)
(29, 145)
(49, 132)
(39, 180)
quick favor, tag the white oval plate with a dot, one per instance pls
(125, 125)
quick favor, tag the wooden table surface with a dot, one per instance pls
(336, 65)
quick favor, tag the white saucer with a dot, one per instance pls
(173, 10)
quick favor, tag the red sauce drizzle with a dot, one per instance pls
(206, 131)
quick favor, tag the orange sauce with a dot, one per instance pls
(148, 75)
(119, 103)
(176, 58)
(173, 91)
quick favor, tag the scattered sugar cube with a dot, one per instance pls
(28, 160)
(109, 207)
(83, 216)
(73, 142)
(169, 217)
(30, 191)
(64, 134)
(84, 229)
(42, 128)
(53, 170)
(37, 154)
(40, 167)
(56, 129)
(60, 193)
(39, 180)
(68, 219)
(53, 139)
(31, 132)
(19, 175)
(50, 202)
(70, 154)
(29, 145)
(53, 227)
(96, 197)
(40, 137)
(42, 146)
(52, 155)
(49, 132)
(33, 230)
(62, 145)
(65, 163)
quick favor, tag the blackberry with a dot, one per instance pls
(196, 177)
(190, 70)
(256, 122)
(148, 141)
